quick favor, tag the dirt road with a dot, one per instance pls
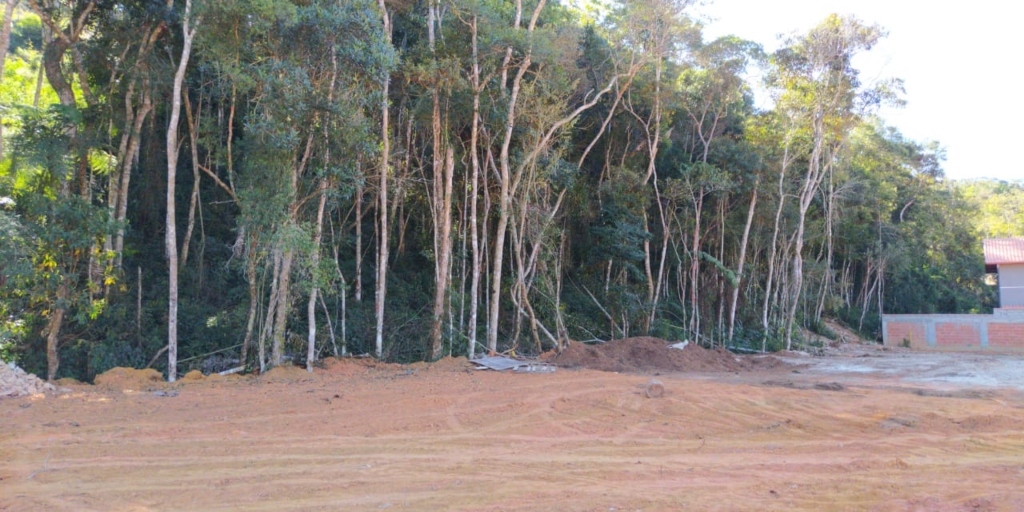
(360, 436)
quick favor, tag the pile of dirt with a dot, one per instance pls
(193, 376)
(17, 382)
(844, 334)
(647, 354)
(347, 366)
(445, 364)
(129, 378)
(287, 373)
(839, 335)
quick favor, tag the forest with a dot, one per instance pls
(265, 182)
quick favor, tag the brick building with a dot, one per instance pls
(1005, 257)
(1001, 331)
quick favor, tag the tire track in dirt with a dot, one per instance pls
(490, 441)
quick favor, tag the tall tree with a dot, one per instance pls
(820, 81)
(65, 39)
(380, 292)
(188, 31)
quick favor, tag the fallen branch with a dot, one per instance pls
(157, 356)
(603, 310)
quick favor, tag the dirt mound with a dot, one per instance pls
(129, 378)
(843, 334)
(216, 377)
(17, 382)
(445, 364)
(193, 375)
(346, 366)
(838, 335)
(646, 354)
(287, 373)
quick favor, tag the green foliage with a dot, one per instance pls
(294, 89)
(620, 229)
(997, 207)
(26, 33)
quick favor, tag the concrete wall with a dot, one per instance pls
(998, 333)
(1011, 285)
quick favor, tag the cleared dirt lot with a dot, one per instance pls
(873, 435)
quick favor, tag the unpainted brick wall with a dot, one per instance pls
(898, 333)
(1006, 335)
(956, 332)
(950, 334)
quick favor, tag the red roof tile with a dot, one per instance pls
(1000, 251)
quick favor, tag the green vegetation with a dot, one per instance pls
(413, 179)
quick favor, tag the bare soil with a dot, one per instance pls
(801, 433)
(646, 354)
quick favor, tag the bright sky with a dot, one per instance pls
(958, 60)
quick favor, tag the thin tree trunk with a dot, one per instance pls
(53, 333)
(128, 150)
(774, 247)
(827, 280)
(268, 321)
(474, 158)
(281, 314)
(720, 299)
(138, 308)
(47, 38)
(443, 242)
(131, 155)
(867, 298)
(698, 208)
(649, 276)
(382, 210)
(5, 42)
(172, 167)
(504, 204)
(53, 55)
(441, 207)
(193, 135)
(250, 273)
(665, 236)
(359, 243)
(743, 259)
(809, 190)
(344, 288)
(315, 264)
(318, 236)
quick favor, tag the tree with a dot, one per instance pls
(821, 86)
(188, 29)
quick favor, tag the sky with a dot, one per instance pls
(958, 61)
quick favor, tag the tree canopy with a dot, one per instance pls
(505, 176)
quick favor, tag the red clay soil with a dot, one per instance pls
(361, 435)
(647, 354)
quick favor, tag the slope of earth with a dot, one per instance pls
(363, 436)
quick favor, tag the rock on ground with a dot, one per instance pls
(17, 382)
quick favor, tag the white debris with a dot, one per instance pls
(17, 382)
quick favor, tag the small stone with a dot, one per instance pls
(655, 389)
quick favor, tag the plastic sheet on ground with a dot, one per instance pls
(502, 363)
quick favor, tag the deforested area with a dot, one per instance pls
(361, 434)
(259, 247)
